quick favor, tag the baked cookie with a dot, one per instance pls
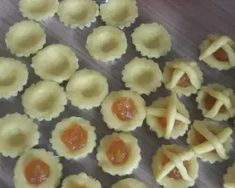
(229, 181)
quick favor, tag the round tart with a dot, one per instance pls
(37, 168)
(210, 141)
(106, 43)
(25, 38)
(118, 154)
(78, 13)
(182, 76)
(175, 166)
(44, 100)
(168, 117)
(18, 133)
(229, 181)
(218, 51)
(87, 89)
(73, 138)
(13, 76)
(216, 102)
(123, 110)
(129, 183)
(80, 181)
(142, 75)
(120, 13)
(38, 9)
(56, 62)
(151, 40)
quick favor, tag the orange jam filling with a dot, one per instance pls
(198, 138)
(184, 81)
(163, 122)
(118, 152)
(221, 55)
(124, 108)
(174, 173)
(74, 137)
(210, 102)
(36, 172)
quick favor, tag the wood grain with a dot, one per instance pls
(188, 22)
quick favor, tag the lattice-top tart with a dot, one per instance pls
(73, 138)
(218, 51)
(168, 117)
(123, 110)
(182, 76)
(121, 13)
(129, 183)
(37, 168)
(175, 166)
(210, 141)
(118, 154)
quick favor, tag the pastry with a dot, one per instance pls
(218, 51)
(182, 76)
(121, 13)
(129, 183)
(56, 62)
(175, 166)
(80, 181)
(216, 102)
(25, 38)
(38, 9)
(142, 75)
(229, 181)
(78, 13)
(210, 141)
(151, 40)
(44, 100)
(87, 89)
(37, 168)
(106, 43)
(13, 77)
(168, 117)
(118, 154)
(123, 110)
(18, 133)
(73, 138)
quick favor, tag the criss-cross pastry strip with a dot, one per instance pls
(214, 142)
(217, 45)
(221, 100)
(176, 161)
(180, 70)
(170, 113)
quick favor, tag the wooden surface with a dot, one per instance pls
(188, 22)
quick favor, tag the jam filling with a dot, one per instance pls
(221, 55)
(184, 81)
(210, 102)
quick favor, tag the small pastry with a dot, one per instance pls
(37, 168)
(38, 9)
(56, 62)
(175, 166)
(151, 40)
(25, 38)
(78, 13)
(18, 133)
(44, 100)
(182, 76)
(130, 183)
(118, 154)
(210, 141)
(121, 13)
(218, 51)
(168, 117)
(142, 75)
(106, 43)
(13, 77)
(229, 181)
(123, 110)
(87, 89)
(80, 181)
(216, 102)
(73, 138)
